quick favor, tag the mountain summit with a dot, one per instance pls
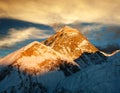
(70, 42)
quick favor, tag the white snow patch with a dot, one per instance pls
(73, 34)
(81, 45)
(111, 53)
(84, 42)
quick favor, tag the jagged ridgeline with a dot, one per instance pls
(45, 67)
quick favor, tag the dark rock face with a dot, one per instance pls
(87, 59)
(69, 69)
(4, 72)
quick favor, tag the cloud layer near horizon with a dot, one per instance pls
(14, 36)
(61, 11)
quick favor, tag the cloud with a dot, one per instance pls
(15, 35)
(101, 34)
(62, 11)
(91, 28)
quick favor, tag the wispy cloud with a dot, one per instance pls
(55, 11)
(101, 34)
(15, 35)
(91, 28)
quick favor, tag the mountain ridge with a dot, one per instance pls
(35, 58)
(73, 67)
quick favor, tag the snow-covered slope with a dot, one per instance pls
(65, 63)
(35, 68)
(35, 58)
(100, 78)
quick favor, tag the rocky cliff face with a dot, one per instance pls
(65, 62)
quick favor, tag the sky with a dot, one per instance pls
(23, 21)
(62, 11)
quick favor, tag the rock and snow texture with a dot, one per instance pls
(70, 42)
(35, 58)
(65, 63)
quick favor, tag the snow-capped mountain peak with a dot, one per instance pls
(66, 45)
(65, 63)
(70, 42)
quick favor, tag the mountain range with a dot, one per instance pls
(64, 63)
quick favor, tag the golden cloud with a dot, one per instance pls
(61, 11)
